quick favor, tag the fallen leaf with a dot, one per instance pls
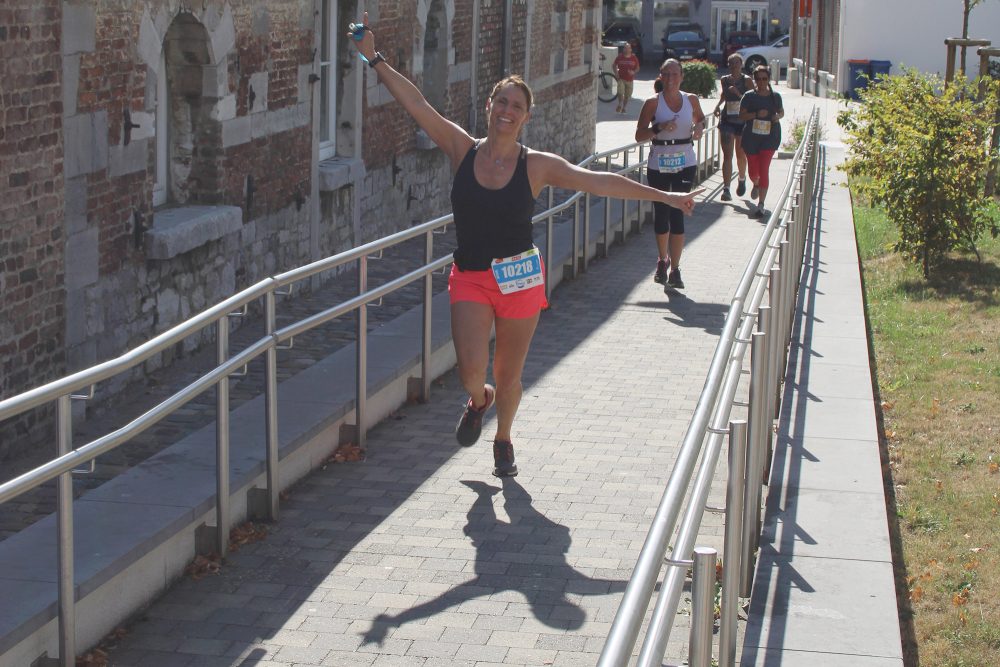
(202, 566)
(247, 533)
(347, 452)
(994, 468)
(916, 594)
(93, 658)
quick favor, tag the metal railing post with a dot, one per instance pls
(222, 442)
(576, 239)
(549, 230)
(731, 557)
(702, 607)
(586, 230)
(271, 409)
(428, 314)
(607, 211)
(774, 327)
(757, 433)
(361, 364)
(64, 526)
(789, 277)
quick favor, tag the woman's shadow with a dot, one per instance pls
(526, 555)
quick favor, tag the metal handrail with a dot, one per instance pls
(61, 390)
(714, 404)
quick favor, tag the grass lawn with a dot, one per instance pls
(937, 357)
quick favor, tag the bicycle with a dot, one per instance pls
(607, 83)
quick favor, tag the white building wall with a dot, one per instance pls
(911, 33)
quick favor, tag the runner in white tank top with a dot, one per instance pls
(673, 120)
(679, 130)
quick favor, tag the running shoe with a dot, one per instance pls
(471, 424)
(754, 192)
(726, 195)
(741, 188)
(755, 211)
(662, 267)
(503, 459)
(675, 280)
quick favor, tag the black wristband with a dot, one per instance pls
(379, 58)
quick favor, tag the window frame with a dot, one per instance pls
(327, 54)
(161, 157)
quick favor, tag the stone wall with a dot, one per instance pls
(168, 153)
(32, 300)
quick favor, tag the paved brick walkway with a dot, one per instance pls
(418, 556)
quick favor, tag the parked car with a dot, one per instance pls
(685, 45)
(621, 32)
(763, 55)
(740, 39)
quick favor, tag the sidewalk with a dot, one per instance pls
(418, 556)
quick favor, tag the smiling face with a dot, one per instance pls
(509, 108)
(671, 75)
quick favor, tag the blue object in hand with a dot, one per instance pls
(357, 30)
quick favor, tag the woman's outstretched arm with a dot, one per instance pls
(549, 169)
(448, 136)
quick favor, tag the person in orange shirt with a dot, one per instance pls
(626, 65)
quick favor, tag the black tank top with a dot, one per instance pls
(490, 223)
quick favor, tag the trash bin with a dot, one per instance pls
(880, 68)
(857, 77)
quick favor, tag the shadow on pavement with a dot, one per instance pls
(544, 582)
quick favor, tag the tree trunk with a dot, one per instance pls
(965, 29)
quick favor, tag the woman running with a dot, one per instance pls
(496, 182)
(673, 120)
(734, 85)
(760, 110)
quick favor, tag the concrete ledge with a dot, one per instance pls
(338, 172)
(135, 534)
(179, 230)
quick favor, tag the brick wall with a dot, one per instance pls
(32, 299)
(77, 284)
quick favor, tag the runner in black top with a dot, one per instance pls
(761, 110)
(734, 85)
(494, 179)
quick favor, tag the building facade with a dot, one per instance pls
(157, 156)
(828, 33)
(770, 19)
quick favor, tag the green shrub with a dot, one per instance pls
(797, 130)
(922, 150)
(699, 77)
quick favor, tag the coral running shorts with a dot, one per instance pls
(481, 287)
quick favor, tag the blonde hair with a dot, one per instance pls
(514, 80)
(734, 56)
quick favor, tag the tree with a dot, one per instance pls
(967, 7)
(920, 149)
